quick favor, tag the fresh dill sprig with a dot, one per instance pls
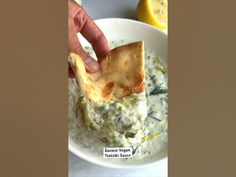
(158, 90)
(135, 149)
(152, 78)
(153, 117)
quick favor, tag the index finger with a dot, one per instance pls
(91, 32)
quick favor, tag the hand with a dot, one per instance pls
(79, 21)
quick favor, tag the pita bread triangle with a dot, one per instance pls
(121, 73)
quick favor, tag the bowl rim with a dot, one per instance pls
(111, 165)
(85, 157)
(131, 21)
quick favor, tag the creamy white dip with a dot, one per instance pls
(147, 136)
(119, 122)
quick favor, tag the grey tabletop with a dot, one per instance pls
(110, 8)
(78, 167)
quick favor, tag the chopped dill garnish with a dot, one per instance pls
(152, 78)
(80, 98)
(158, 90)
(129, 135)
(135, 150)
(150, 114)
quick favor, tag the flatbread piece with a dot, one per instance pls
(121, 73)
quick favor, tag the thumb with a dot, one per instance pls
(91, 64)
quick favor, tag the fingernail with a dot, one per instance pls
(92, 64)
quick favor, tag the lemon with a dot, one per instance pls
(153, 12)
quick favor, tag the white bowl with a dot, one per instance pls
(155, 40)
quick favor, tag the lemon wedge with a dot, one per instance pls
(153, 12)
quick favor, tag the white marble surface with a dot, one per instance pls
(79, 167)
